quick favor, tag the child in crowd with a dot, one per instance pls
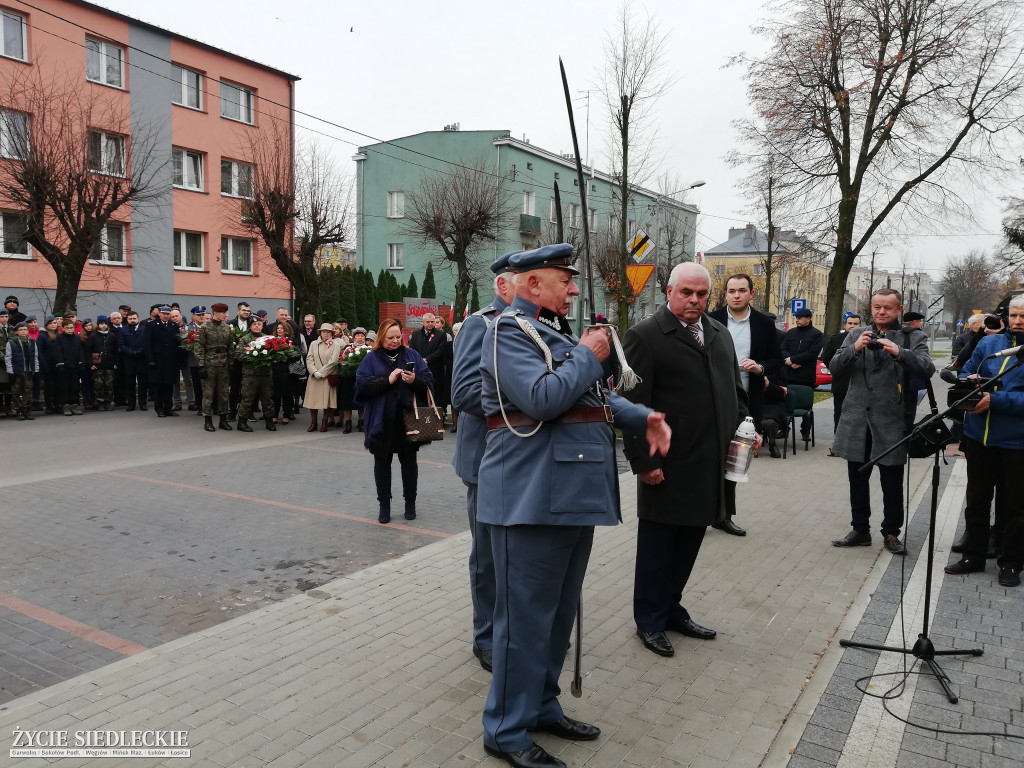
(101, 354)
(70, 362)
(21, 361)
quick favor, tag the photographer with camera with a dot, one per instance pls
(993, 443)
(879, 360)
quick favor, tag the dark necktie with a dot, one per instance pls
(696, 334)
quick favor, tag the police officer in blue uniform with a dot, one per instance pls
(547, 477)
(469, 448)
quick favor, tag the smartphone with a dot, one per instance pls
(410, 367)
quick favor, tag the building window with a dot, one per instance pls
(396, 205)
(104, 63)
(236, 255)
(396, 256)
(12, 236)
(593, 219)
(758, 270)
(553, 215)
(529, 203)
(188, 169)
(106, 153)
(186, 87)
(236, 103)
(110, 249)
(236, 179)
(719, 270)
(574, 215)
(12, 44)
(14, 135)
(188, 250)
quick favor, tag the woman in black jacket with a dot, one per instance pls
(47, 351)
(70, 361)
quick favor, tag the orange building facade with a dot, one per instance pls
(191, 114)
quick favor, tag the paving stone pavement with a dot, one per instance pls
(374, 667)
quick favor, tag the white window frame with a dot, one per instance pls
(4, 253)
(574, 216)
(593, 219)
(396, 255)
(396, 205)
(105, 246)
(188, 160)
(227, 255)
(104, 50)
(758, 270)
(182, 88)
(106, 159)
(719, 270)
(9, 143)
(529, 203)
(248, 107)
(181, 242)
(12, 16)
(552, 213)
(236, 168)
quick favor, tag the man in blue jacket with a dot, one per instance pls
(131, 340)
(993, 443)
(469, 448)
(547, 477)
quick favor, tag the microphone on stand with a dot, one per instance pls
(1009, 352)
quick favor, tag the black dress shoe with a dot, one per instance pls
(894, 545)
(656, 642)
(172, 412)
(484, 656)
(960, 545)
(730, 527)
(142, 407)
(1009, 577)
(531, 757)
(570, 729)
(853, 539)
(690, 628)
(966, 565)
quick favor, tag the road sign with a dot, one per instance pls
(795, 305)
(639, 245)
(638, 275)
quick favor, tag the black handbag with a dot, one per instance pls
(932, 438)
(423, 425)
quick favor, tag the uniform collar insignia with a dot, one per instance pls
(554, 321)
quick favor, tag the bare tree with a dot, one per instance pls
(675, 230)
(633, 80)
(297, 208)
(968, 284)
(879, 108)
(1012, 255)
(457, 210)
(76, 166)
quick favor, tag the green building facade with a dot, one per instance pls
(388, 173)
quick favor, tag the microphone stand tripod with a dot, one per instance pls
(924, 649)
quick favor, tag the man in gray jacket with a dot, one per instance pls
(879, 361)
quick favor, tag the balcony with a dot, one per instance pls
(529, 224)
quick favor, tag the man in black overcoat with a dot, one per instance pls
(687, 366)
(800, 351)
(432, 342)
(162, 347)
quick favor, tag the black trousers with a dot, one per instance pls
(860, 496)
(234, 385)
(665, 555)
(136, 374)
(162, 393)
(998, 471)
(197, 385)
(67, 381)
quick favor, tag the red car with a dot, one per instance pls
(822, 376)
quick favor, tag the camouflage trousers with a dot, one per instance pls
(21, 391)
(257, 384)
(103, 385)
(215, 391)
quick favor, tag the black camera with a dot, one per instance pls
(962, 388)
(996, 321)
(874, 344)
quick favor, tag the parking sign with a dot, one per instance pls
(795, 305)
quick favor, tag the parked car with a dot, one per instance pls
(822, 377)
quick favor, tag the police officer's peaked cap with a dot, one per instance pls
(804, 313)
(201, 310)
(558, 256)
(219, 307)
(909, 317)
(500, 264)
(163, 308)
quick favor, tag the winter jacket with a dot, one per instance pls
(69, 352)
(21, 357)
(132, 340)
(1002, 425)
(101, 350)
(47, 352)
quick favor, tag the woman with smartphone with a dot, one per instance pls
(387, 380)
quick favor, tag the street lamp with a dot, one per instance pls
(698, 183)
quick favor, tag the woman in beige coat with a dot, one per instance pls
(321, 362)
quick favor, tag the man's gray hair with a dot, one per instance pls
(1016, 301)
(508, 277)
(974, 321)
(689, 269)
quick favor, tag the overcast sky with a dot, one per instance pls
(390, 69)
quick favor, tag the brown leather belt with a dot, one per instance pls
(583, 415)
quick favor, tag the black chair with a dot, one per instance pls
(799, 403)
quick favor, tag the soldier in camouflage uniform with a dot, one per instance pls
(257, 381)
(213, 348)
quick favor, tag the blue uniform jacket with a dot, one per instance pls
(466, 387)
(132, 340)
(566, 473)
(1002, 425)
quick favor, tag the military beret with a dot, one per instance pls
(909, 317)
(804, 313)
(500, 264)
(164, 308)
(31, 319)
(22, 324)
(102, 319)
(219, 307)
(558, 256)
(4, 311)
(9, 299)
(50, 319)
(257, 319)
(201, 310)
(125, 308)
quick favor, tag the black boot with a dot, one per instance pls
(382, 477)
(359, 426)
(224, 424)
(27, 413)
(410, 476)
(208, 424)
(243, 425)
(348, 426)
(271, 426)
(20, 415)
